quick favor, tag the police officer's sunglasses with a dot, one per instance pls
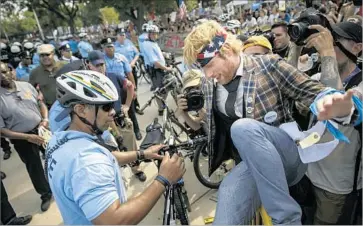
(107, 107)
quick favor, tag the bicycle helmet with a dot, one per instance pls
(17, 44)
(223, 17)
(233, 23)
(15, 49)
(28, 46)
(2, 46)
(88, 87)
(145, 27)
(153, 29)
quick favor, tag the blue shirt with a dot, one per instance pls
(22, 72)
(36, 59)
(153, 53)
(84, 177)
(118, 81)
(74, 45)
(141, 40)
(118, 65)
(84, 48)
(127, 49)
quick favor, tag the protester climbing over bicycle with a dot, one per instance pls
(247, 104)
(79, 155)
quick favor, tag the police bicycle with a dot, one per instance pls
(141, 71)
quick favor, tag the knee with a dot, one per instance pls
(245, 128)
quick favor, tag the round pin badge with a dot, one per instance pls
(270, 117)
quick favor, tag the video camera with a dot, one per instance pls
(195, 99)
(299, 30)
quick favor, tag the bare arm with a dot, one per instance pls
(125, 157)
(130, 89)
(13, 135)
(294, 54)
(133, 211)
(329, 72)
(193, 122)
(159, 66)
(43, 109)
(130, 77)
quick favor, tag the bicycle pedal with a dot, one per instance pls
(208, 220)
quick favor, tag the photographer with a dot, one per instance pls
(281, 43)
(191, 80)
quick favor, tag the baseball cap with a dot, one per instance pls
(45, 48)
(64, 46)
(108, 42)
(191, 78)
(257, 41)
(96, 57)
(349, 30)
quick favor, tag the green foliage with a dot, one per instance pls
(110, 15)
(191, 4)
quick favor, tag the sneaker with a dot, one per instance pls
(141, 176)
(45, 204)
(138, 111)
(20, 220)
(7, 155)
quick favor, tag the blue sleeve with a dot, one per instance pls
(127, 66)
(94, 187)
(150, 53)
(18, 73)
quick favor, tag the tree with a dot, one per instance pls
(191, 4)
(28, 22)
(109, 15)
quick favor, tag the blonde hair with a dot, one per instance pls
(202, 35)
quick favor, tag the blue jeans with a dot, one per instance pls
(270, 164)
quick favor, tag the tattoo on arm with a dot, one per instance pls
(329, 73)
(294, 54)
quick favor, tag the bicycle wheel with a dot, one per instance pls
(138, 69)
(147, 77)
(180, 206)
(201, 168)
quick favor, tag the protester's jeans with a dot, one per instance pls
(270, 163)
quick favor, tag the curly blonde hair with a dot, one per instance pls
(201, 36)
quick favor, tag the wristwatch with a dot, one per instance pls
(141, 155)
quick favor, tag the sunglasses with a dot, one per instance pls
(45, 54)
(28, 58)
(99, 65)
(107, 107)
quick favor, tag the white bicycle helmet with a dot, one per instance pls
(17, 44)
(28, 45)
(15, 49)
(223, 17)
(3, 45)
(145, 27)
(233, 23)
(88, 87)
(153, 29)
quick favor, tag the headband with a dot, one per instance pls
(211, 50)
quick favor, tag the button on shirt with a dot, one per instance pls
(153, 53)
(222, 95)
(118, 65)
(19, 110)
(127, 49)
(23, 72)
(84, 48)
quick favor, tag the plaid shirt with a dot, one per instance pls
(270, 84)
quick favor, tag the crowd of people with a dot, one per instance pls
(271, 104)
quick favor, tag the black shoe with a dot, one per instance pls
(7, 155)
(138, 111)
(138, 136)
(45, 204)
(3, 175)
(141, 176)
(161, 112)
(20, 220)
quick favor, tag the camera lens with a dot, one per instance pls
(297, 31)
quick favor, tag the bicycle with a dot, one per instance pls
(141, 71)
(177, 202)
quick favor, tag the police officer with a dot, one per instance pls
(84, 46)
(15, 51)
(156, 61)
(66, 52)
(5, 50)
(24, 67)
(144, 36)
(125, 47)
(118, 66)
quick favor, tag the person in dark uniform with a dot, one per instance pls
(8, 215)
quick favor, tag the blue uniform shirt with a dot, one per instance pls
(118, 65)
(119, 82)
(74, 45)
(127, 49)
(36, 59)
(84, 48)
(84, 177)
(153, 53)
(22, 72)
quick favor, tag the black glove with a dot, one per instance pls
(120, 143)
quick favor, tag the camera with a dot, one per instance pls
(195, 99)
(299, 31)
(270, 37)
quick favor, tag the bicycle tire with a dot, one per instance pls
(187, 203)
(180, 207)
(147, 77)
(198, 172)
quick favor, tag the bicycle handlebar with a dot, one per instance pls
(184, 144)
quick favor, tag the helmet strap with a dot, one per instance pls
(94, 127)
